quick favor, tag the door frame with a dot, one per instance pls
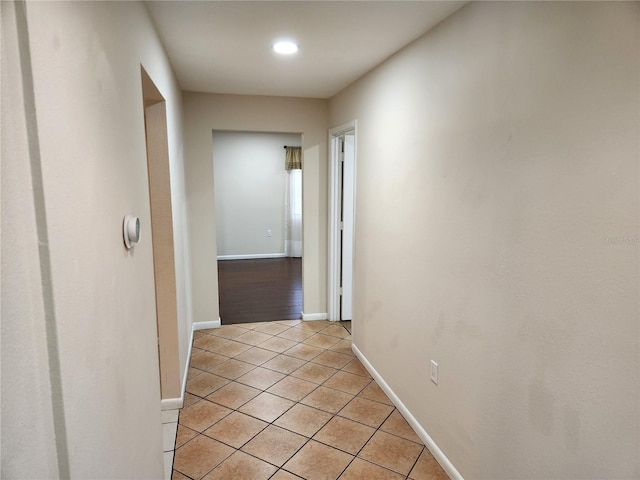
(161, 216)
(334, 194)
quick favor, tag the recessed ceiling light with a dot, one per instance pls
(285, 47)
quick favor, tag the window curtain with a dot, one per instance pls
(293, 204)
(293, 159)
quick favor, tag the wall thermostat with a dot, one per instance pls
(131, 230)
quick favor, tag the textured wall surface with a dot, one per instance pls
(250, 191)
(497, 233)
(207, 112)
(87, 149)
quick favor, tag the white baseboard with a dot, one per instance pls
(206, 325)
(309, 317)
(251, 256)
(440, 457)
(175, 403)
(172, 403)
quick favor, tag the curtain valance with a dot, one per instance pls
(293, 159)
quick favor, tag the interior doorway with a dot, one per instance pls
(258, 211)
(155, 118)
(342, 185)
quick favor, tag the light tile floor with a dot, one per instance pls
(289, 400)
(169, 429)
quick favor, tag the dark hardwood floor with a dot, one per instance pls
(260, 290)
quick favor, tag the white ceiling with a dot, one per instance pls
(225, 46)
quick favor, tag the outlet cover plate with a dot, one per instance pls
(434, 372)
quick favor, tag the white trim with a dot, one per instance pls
(333, 270)
(206, 325)
(252, 256)
(440, 457)
(309, 317)
(174, 403)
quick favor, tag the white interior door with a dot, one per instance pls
(347, 216)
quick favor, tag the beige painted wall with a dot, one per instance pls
(204, 113)
(497, 233)
(26, 408)
(250, 191)
(86, 59)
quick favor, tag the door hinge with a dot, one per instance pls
(340, 291)
(341, 225)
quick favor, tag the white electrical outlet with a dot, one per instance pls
(268, 233)
(434, 372)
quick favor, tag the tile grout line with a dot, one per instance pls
(357, 394)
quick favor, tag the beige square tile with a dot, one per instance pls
(356, 367)
(169, 436)
(427, 468)
(228, 331)
(397, 425)
(199, 456)
(232, 369)
(246, 326)
(292, 388)
(296, 334)
(289, 323)
(232, 348)
(330, 358)
(315, 325)
(345, 434)
(391, 452)
(277, 344)
(169, 416)
(189, 399)
(303, 420)
(284, 364)
(236, 429)
(347, 382)
(176, 475)
(275, 445)
(204, 384)
(304, 352)
(284, 475)
(363, 470)
(315, 373)
(336, 330)
(252, 337)
(327, 399)
(272, 328)
(316, 461)
(256, 356)
(167, 458)
(209, 343)
(344, 347)
(261, 378)
(233, 395)
(192, 372)
(184, 435)
(239, 466)
(321, 340)
(199, 333)
(196, 351)
(207, 331)
(366, 411)
(266, 407)
(207, 361)
(374, 392)
(202, 415)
